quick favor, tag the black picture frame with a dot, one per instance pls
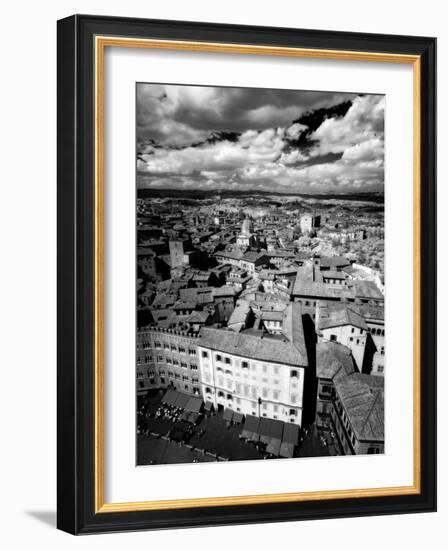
(76, 286)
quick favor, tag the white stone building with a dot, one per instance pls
(252, 372)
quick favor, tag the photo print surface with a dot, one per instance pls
(260, 273)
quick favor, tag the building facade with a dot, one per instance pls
(167, 358)
(255, 373)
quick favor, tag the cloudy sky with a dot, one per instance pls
(278, 140)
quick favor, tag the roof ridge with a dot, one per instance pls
(370, 412)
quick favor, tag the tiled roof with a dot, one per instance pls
(362, 397)
(319, 290)
(339, 316)
(240, 313)
(272, 315)
(252, 256)
(370, 312)
(225, 290)
(333, 359)
(331, 274)
(198, 317)
(334, 261)
(257, 347)
(199, 295)
(366, 289)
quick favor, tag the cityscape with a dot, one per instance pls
(260, 296)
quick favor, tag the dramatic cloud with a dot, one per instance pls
(277, 140)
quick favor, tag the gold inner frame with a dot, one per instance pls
(101, 42)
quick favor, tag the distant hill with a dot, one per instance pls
(200, 194)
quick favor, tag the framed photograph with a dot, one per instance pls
(246, 274)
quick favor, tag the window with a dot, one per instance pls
(333, 337)
(192, 351)
(228, 361)
(294, 374)
(175, 362)
(353, 330)
(244, 365)
(205, 354)
(173, 348)
(166, 346)
(208, 390)
(292, 412)
(162, 380)
(193, 366)
(157, 345)
(357, 342)
(160, 358)
(169, 360)
(229, 397)
(218, 358)
(184, 365)
(380, 368)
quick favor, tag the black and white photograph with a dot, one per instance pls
(260, 273)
